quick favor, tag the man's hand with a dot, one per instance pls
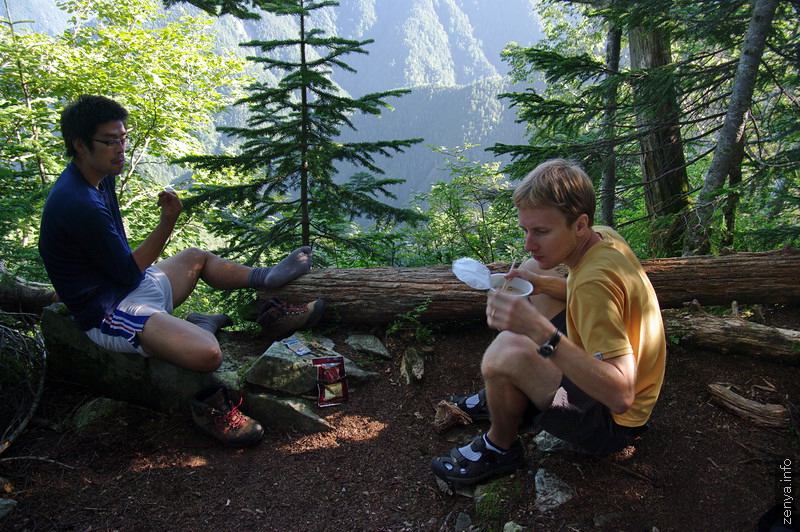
(552, 285)
(509, 312)
(171, 206)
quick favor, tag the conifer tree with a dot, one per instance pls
(570, 118)
(287, 194)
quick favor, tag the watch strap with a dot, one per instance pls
(548, 348)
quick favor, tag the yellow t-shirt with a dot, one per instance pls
(612, 309)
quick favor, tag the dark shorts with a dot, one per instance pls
(577, 418)
(581, 420)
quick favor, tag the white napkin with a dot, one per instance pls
(473, 273)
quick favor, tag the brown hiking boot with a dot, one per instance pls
(280, 319)
(216, 415)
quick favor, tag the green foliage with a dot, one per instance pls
(163, 71)
(568, 117)
(499, 497)
(286, 194)
(471, 215)
(411, 322)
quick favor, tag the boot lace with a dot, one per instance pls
(288, 308)
(232, 419)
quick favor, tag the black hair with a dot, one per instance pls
(79, 120)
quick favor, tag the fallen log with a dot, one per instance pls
(764, 415)
(19, 295)
(371, 296)
(732, 334)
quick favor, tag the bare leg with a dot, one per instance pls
(184, 269)
(515, 374)
(180, 342)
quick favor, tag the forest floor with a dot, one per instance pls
(700, 467)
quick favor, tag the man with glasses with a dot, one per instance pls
(123, 298)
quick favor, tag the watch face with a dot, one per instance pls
(546, 350)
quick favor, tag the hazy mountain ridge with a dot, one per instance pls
(447, 51)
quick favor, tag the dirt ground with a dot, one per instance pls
(700, 467)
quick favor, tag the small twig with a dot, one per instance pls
(37, 458)
(628, 470)
(446, 519)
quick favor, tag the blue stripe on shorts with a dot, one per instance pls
(124, 325)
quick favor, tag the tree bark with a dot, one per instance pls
(609, 178)
(18, 295)
(666, 183)
(699, 238)
(373, 296)
(724, 334)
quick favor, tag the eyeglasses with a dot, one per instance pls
(115, 142)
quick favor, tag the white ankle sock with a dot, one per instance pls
(472, 400)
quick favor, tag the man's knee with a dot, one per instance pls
(194, 255)
(207, 358)
(506, 354)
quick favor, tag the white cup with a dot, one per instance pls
(517, 286)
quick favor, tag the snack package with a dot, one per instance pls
(297, 346)
(332, 386)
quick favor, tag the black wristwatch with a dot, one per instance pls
(549, 347)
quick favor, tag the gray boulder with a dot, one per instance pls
(164, 387)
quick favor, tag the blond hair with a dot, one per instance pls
(561, 184)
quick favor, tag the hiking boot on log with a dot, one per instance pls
(280, 319)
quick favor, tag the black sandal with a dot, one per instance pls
(465, 472)
(479, 412)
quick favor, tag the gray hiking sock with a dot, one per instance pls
(210, 322)
(289, 269)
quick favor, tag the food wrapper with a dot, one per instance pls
(332, 386)
(473, 273)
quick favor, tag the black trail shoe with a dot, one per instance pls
(457, 469)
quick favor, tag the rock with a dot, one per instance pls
(7, 506)
(548, 443)
(412, 367)
(128, 377)
(93, 410)
(367, 343)
(551, 492)
(161, 386)
(281, 369)
(511, 526)
(283, 412)
(463, 522)
(608, 519)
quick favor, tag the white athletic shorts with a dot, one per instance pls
(119, 330)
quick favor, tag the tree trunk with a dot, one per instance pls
(699, 237)
(18, 295)
(732, 202)
(372, 296)
(708, 332)
(666, 184)
(609, 179)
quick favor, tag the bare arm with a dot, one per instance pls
(553, 284)
(149, 250)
